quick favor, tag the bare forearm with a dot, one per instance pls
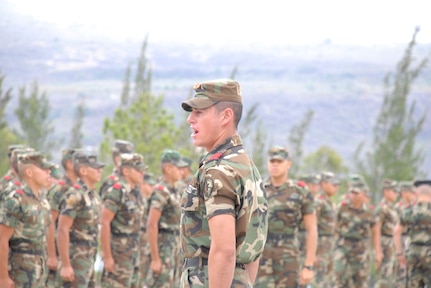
(311, 246)
(397, 239)
(153, 235)
(105, 238)
(375, 235)
(63, 244)
(50, 239)
(221, 269)
(4, 248)
(252, 269)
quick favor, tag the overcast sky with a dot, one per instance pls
(223, 22)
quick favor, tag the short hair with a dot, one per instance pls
(235, 106)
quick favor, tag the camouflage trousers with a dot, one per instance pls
(125, 252)
(419, 266)
(51, 278)
(27, 270)
(195, 275)
(82, 261)
(168, 252)
(279, 264)
(385, 273)
(323, 269)
(351, 263)
(401, 272)
(144, 262)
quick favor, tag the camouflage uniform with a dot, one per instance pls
(386, 214)
(417, 219)
(29, 215)
(227, 172)
(83, 205)
(351, 255)
(127, 204)
(166, 199)
(287, 204)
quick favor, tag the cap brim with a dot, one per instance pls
(47, 165)
(197, 103)
(97, 165)
(277, 157)
(181, 164)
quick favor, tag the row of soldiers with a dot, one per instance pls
(337, 240)
(53, 222)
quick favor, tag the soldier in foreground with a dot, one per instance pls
(224, 209)
(121, 218)
(417, 221)
(289, 204)
(24, 225)
(78, 224)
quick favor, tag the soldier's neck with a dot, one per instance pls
(278, 181)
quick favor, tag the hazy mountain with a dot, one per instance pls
(342, 84)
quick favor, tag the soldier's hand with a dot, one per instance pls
(306, 276)
(402, 261)
(109, 264)
(156, 266)
(52, 263)
(7, 282)
(67, 274)
(379, 259)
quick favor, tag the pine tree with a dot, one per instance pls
(76, 132)
(393, 153)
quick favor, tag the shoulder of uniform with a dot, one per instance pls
(7, 177)
(17, 183)
(160, 187)
(300, 184)
(215, 156)
(19, 192)
(117, 186)
(343, 203)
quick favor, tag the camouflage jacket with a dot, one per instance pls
(386, 214)
(56, 193)
(127, 205)
(354, 223)
(286, 206)
(84, 206)
(108, 182)
(325, 213)
(227, 182)
(7, 184)
(399, 207)
(417, 219)
(166, 199)
(30, 217)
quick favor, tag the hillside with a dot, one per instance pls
(342, 84)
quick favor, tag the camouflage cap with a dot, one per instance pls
(188, 161)
(83, 158)
(12, 147)
(359, 187)
(310, 178)
(390, 184)
(16, 153)
(329, 177)
(34, 157)
(211, 92)
(418, 183)
(278, 153)
(133, 160)
(149, 179)
(173, 157)
(56, 172)
(67, 154)
(406, 186)
(123, 146)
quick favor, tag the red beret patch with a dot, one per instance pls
(301, 184)
(61, 182)
(20, 192)
(76, 186)
(17, 183)
(7, 177)
(117, 186)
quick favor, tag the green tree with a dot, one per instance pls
(36, 128)
(6, 135)
(296, 142)
(393, 153)
(78, 121)
(324, 159)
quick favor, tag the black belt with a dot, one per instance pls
(200, 262)
(421, 244)
(351, 239)
(168, 231)
(387, 235)
(28, 251)
(84, 243)
(325, 235)
(125, 235)
(277, 237)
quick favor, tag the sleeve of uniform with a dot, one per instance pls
(158, 199)
(112, 197)
(10, 214)
(71, 203)
(379, 213)
(219, 191)
(308, 205)
(53, 196)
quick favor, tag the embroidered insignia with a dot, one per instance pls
(71, 200)
(209, 187)
(17, 183)
(117, 186)
(7, 177)
(61, 183)
(160, 187)
(111, 177)
(215, 156)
